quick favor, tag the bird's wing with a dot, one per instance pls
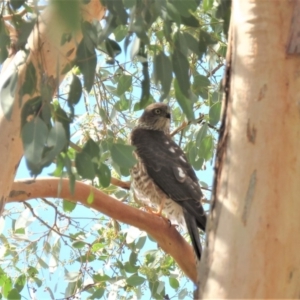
(168, 167)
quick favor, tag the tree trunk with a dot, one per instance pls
(49, 58)
(253, 240)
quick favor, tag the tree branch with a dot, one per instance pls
(167, 236)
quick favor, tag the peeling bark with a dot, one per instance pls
(253, 237)
(49, 58)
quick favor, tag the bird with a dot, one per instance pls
(163, 177)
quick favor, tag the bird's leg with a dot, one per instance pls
(161, 207)
(159, 211)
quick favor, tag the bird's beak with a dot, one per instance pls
(168, 115)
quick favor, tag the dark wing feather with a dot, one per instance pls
(168, 167)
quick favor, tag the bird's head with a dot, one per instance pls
(156, 116)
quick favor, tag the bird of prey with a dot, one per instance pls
(163, 177)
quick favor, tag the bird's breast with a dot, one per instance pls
(150, 194)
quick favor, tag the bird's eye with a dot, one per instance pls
(157, 111)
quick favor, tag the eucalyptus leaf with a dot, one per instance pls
(163, 73)
(181, 70)
(201, 133)
(214, 113)
(206, 148)
(104, 175)
(135, 280)
(84, 166)
(68, 206)
(185, 103)
(20, 283)
(124, 83)
(29, 84)
(87, 61)
(122, 155)
(34, 136)
(75, 91)
(56, 142)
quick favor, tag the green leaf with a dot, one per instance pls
(6, 285)
(101, 278)
(198, 163)
(42, 263)
(32, 272)
(190, 21)
(24, 30)
(104, 175)
(163, 73)
(224, 12)
(214, 113)
(13, 295)
(201, 133)
(62, 117)
(78, 244)
(129, 268)
(20, 231)
(122, 104)
(29, 84)
(192, 154)
(56, 141)
(215, 97)
(185, 6)
(133, 258)
(98, 294)
(30, 109)
(122, 155)
(207, 5)
(15, 4)
(120, 33)
(185, 103)
(68, 206)
(91, 148)
(135, 280)
(181, 70)
(34, 135)
(75, 91)
(206, 148)
(200, 85)
(90, 198)
(173, 283)
(129, 3)
(4, 42)
(145, 84)
(173, 13)
(124, 83)
(7, 94)
(141, 242)
(45, 114)
(192, 43)
(86, 60)
(20, 283)
(180, 43)
(97, 246)
(205, 40)
(38, 281)
(84, 165)
(68, 14)
(112, 47)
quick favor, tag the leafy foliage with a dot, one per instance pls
(145, 51)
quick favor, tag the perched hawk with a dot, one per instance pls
(163, 177)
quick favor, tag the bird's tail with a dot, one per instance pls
(192, 228)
